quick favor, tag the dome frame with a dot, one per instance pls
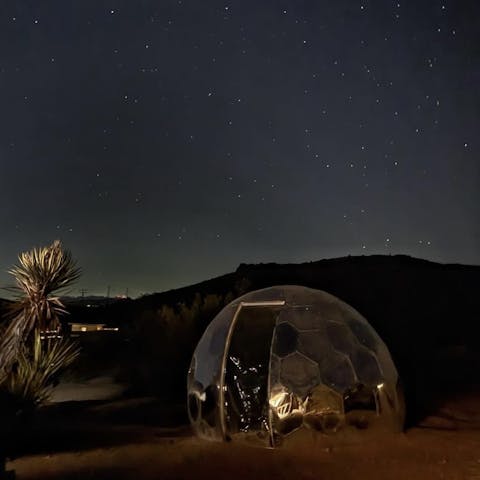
(324, 372)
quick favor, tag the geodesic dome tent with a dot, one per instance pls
(290, 362)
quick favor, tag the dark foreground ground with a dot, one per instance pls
(140, 439)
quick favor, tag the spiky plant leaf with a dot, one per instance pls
(43, 271)
(36, 370)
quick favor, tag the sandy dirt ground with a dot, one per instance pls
(418, 454)
(118, 440)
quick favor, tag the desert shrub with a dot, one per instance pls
(161, 345)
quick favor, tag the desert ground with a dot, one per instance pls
(140, 438)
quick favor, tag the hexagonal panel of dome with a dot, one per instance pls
(289, 364)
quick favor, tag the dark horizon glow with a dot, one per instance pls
(165, 143)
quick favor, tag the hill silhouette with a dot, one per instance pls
(407, 300)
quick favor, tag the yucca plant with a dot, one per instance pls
(40, 274)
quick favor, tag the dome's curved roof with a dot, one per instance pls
(285, 359)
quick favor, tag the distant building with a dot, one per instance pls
(77, 329)
(86, 327)
(90, 327)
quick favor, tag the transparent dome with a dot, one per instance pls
(287, 363)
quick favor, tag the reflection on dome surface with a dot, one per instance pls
(280, 362)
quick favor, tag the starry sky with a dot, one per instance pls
(165, 142)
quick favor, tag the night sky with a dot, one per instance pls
(165, 142)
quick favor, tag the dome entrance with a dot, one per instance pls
(246, 371)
